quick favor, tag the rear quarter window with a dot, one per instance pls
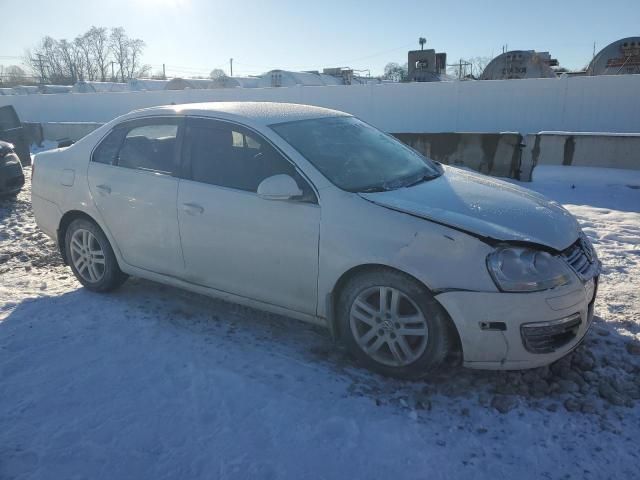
(107, 151)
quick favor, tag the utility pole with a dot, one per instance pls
(113, 76)
(231, 66)
(164, 72)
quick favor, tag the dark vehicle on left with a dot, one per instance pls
(11, 174)
(12, 131)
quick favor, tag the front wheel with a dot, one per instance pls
(393, 325)
(91, 257)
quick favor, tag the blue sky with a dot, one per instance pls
(194, 36)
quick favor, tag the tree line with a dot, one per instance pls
(99, 54)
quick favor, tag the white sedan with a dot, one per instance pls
(314, 214)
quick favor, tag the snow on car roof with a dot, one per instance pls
(265, 113)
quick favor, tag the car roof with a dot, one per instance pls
(263, 113)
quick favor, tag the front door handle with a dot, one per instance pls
(193, 208)
(104, 189)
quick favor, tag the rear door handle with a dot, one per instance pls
(193, 208)
(104, 189)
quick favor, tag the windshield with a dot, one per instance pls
(355, 156)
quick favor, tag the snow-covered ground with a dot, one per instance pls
(153, 382)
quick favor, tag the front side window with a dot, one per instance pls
(230, 156)
(355, 156)
(150, 147)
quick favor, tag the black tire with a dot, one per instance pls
(112, 276)
(440, 339)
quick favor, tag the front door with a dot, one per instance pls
(232, 239)
(131, 178)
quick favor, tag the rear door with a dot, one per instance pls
(232, 239)
(133, 183)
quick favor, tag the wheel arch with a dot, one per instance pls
(66, 220)
(333, 297)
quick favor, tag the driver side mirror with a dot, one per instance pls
(279, 187)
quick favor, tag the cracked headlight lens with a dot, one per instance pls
(521, 269)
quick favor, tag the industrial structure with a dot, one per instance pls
(517, 64)
(618, 58)
(426, 66)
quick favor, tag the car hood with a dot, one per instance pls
(486, 207)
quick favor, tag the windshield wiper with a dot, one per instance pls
(373, 189)
(421, 179)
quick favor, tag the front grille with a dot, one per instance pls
(582, 258)
(547, 337)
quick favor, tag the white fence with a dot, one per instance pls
(576, 104)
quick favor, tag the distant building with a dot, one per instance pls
(99, 87)
(329, 76)
(426, 66)
(618, 58)
(189, 84)
(517, 64)
(235, 82)
(141, 85)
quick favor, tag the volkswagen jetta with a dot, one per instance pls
(314, 214)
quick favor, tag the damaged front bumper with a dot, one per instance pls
(510, 331)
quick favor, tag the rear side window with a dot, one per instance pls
(107, 151)
(150, 147)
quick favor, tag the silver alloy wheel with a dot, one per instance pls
(388, 326)
(87, 255)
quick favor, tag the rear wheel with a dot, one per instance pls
(91, 257)
(393, 325)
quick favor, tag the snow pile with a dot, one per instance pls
(154, 382)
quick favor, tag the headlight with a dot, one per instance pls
(519, 269)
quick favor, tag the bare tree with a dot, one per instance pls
(395, 72)
(68, 59)
(478, 64)
(119, 47)
(45, 59)
(127, 53)
(470, 68)
(98, 39)
(87, 57)
(136, 69)
(217, 74)
(12, 75)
